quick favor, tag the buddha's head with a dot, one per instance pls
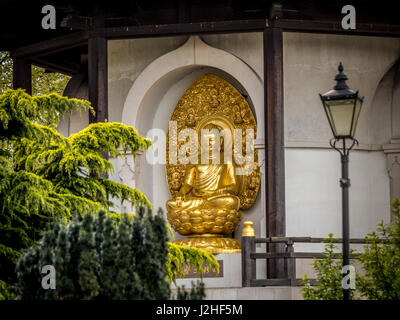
(211, 136)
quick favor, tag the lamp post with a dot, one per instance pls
(342, 107)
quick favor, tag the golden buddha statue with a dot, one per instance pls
(208, 186)
(207, 197)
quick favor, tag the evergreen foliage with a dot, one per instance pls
(45, 176)
(196, 293)
(42, 82)
(98, 257)
(6, 66)
(181, 256)
(48, 82)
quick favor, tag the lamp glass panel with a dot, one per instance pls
(357, 110)
(340, 114)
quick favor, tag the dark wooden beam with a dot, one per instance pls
(22, 75)
(183, 12)
(97, 72)
(77, 22)
(274, 141)
(51, 46)
(62, 66)
(97, 78)
(180, 29)
(335, 27)
(289, 25)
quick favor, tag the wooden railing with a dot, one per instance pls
(249, 257)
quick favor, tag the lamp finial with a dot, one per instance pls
(340, 67)
(341, 79)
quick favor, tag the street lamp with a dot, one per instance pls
(342, 107)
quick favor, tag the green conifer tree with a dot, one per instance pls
(88, 265)
(128, 260)
(45, 176)
(63, 260)
(149, 237)
(107, 252)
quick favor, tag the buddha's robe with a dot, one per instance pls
(211, 186)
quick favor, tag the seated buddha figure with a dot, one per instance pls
(208, 186)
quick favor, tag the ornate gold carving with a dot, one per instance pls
(214, 220)
(211, 102)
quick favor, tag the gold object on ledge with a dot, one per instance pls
(207, 199)
(248, 230)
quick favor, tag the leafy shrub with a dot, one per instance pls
(5, 291)
(380, 261)
(196, 293)
(328, 275)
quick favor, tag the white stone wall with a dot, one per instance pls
(313, 195)
(126, 60)
(309, 66)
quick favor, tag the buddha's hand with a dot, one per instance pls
(178, 201)
(223, 191)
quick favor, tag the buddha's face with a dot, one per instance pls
(211, 134)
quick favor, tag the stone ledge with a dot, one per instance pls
(232, 274)
(254, 293)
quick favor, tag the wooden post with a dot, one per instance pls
(22, 75)
(248, 264)
(274, 138)
(97, 71)
(248, 247)
(290, 263)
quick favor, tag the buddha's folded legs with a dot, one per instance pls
(224, 201)
(187, 204)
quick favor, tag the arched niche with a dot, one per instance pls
(385, 108)
(385, 124)
(193, 55)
